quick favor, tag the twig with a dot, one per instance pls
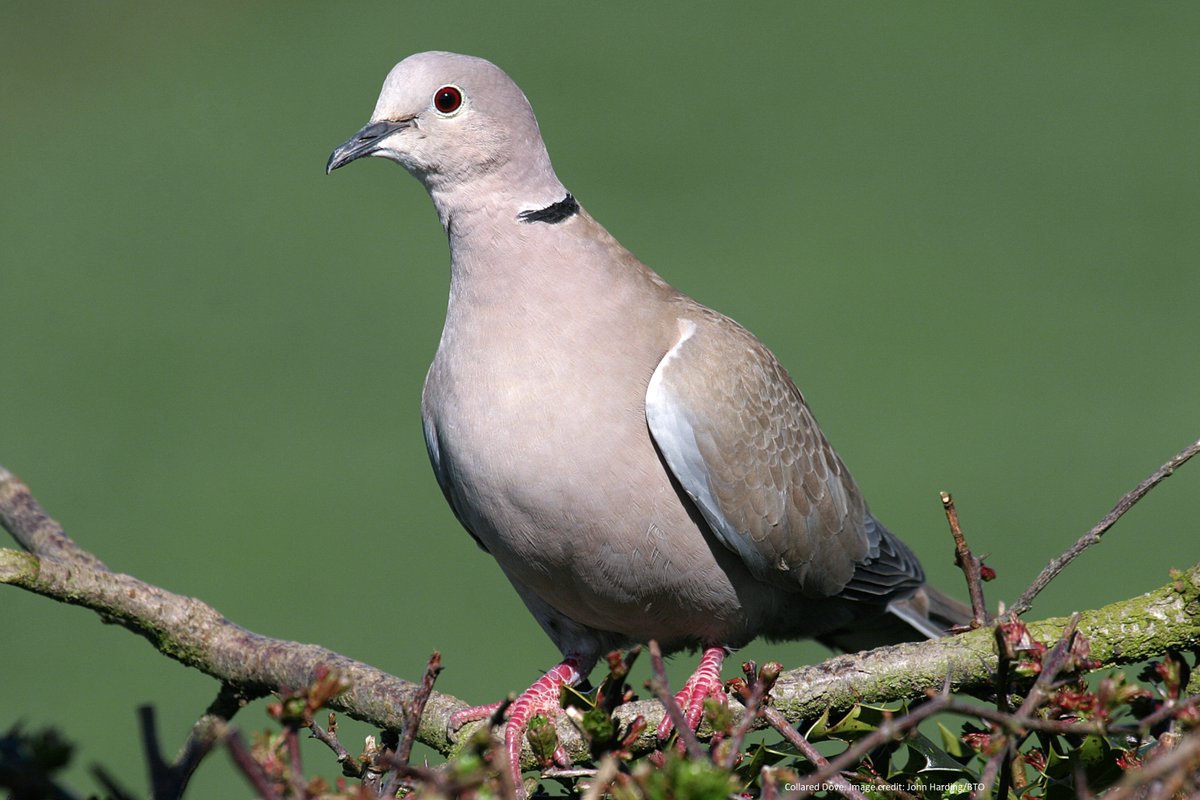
(432, 669)
(1004, 657)
(967, 562)
(754, 698)
(806, 749)
(196, 635)
(33, 528)
(253, 771)
(768, 784)
(1164, 712)
(990, 772)
(1000, 764)
(603, 777)
(890, 729)
(329, 738)
(662, 690)
(1052, 665)
(114, 790)
(1174, 767)
(169, 781)
(207, 731)
(1022, 725)
(757, 702)
(618, 671)
(1091, 537)
(161, 787)
(415, 711)
(568, 772)
(433, 778)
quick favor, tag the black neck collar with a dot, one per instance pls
(553, 213)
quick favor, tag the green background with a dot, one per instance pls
(969, 230)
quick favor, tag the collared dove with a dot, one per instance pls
(640, 466)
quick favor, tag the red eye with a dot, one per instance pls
(447, 99)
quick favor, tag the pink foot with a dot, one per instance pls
(541, 698)
(704, 683)
(460, 718)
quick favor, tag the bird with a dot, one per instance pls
(640, 466)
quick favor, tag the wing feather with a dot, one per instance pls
(737, 434)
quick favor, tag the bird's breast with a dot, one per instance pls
(545, 455)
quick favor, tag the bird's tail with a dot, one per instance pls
(925, 614)
(930, 612)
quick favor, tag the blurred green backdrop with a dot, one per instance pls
(969, 230)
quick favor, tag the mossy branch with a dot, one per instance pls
(196, 635)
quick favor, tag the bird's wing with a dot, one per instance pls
(737, 435)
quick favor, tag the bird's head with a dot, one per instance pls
(452, 120)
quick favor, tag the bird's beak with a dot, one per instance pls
(365, 142)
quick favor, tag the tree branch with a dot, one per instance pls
(196, 635)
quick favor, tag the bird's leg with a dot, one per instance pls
(543, 697)
(462, 717)
(705, 682)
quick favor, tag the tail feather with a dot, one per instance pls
(925, 614)
(930, 612)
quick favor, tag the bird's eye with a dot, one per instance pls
(448, 99)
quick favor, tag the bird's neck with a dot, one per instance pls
(502, 221)
(514, 259)
(495, 196)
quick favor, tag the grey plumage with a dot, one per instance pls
(639, 465)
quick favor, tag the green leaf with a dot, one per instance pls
(686, 779)
(951, 743)
(570, 697)
(858, 722)
(764, 756)
(817, 729)
(598, 727)
(1094, 754)
(928, 757)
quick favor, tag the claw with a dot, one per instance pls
(705, 682)
(463, 716)
(540, 698)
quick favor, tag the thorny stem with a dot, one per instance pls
(1165, 712)
(1022, 725)
(1014, 724)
